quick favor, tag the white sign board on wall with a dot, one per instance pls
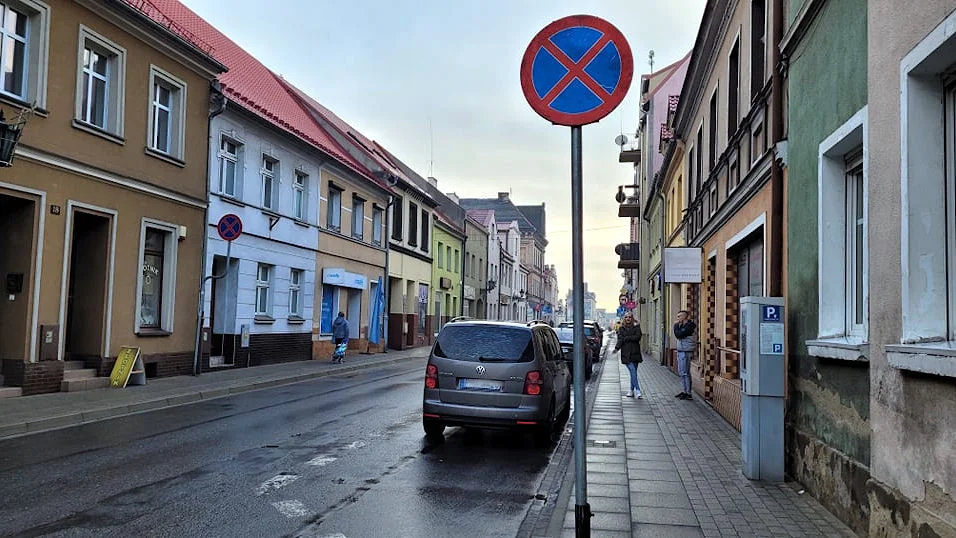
(682, 265)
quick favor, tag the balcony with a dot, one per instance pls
(630, 254)
(630, 155)
(630, 208)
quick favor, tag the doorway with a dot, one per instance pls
(222, 312)
(89, 267)
(17, 254)
(354, 314)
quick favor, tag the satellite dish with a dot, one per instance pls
(620, 140)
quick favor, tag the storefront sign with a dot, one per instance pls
(445, 283)
(682, 264)
(128, 368)
(341, 277)
(469, 292)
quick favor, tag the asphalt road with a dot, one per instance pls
(341, 456)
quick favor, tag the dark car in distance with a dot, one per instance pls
(566, 338)
(496, 375)
(592, 333)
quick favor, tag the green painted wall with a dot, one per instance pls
(446, 268)
(827, 85)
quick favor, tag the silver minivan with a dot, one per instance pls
(490, 374)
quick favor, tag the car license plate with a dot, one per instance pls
(566, 349)
(479, 384)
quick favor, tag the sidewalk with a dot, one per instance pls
(31, 414)
(662, 467)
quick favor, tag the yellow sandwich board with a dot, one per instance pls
(128, 369)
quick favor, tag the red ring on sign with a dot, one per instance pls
(543, 37)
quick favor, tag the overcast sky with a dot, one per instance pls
(391, 68)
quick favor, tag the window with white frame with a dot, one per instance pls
(264, 290)
(156, 281)
(377, 214)
(167, 114)
(358, 218)
(270, 182)
(928, 212)
(842, 243)
(300, 189)
(335, 209)
(24, 45)
(295, 293)
(100, 82)
(230, 169)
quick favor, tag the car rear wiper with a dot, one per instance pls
(492, 359)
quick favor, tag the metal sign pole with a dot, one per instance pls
(582, 510)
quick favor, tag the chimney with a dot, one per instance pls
(433, 181)
(503, 196)
(454, 197)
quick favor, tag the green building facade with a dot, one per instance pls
(828, 419)
(448, 244)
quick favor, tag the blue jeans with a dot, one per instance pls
(683, 368)
(632, 368)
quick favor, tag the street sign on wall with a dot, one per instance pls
(576, 70)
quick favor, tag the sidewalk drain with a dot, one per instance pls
(602, 444)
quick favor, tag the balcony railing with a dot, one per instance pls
(630, 254)
(630, 208)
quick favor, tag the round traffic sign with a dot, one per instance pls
(230, 227)
(576, 70)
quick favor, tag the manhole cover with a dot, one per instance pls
(602, 444)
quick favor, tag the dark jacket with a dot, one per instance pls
(684, 333)
(340, 328)
(629, 342)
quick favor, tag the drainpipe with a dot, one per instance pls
(776, 171)
(218, 99)
(386, 238)
(664, 290)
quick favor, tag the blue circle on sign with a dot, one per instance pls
(229, 227)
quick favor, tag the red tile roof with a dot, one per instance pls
(249, 83)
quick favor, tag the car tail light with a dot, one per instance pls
(533, 382)
(431, 377)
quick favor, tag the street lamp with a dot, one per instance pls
(10, 135)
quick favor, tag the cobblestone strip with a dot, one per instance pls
(705, 450)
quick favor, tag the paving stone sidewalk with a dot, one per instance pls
(662, 467)
(30, 414)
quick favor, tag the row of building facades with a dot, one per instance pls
(806, 149)
(148, 126)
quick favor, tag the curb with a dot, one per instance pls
(46, 424)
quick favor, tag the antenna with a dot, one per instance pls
(650, 60)
(431, 152)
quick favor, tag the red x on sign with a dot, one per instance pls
(576, 70)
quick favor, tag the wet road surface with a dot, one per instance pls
(338, 456)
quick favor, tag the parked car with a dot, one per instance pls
(498, 375)
(566, 338)
(592, 333)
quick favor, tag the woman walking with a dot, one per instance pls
(629, 343)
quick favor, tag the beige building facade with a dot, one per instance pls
(103, 208)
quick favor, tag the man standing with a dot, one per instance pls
(340, 329)
(629, 342)
(684, 333)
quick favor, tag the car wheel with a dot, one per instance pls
(544, 435)
(434, 429)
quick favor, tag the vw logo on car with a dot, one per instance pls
(480, 370)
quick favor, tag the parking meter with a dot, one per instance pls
(762, 378)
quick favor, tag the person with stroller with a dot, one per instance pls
(340, 337)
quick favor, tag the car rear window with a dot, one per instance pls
(485, 343)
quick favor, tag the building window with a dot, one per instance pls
(167, 117)
(457, 260)
(733, 90)
(758, 27)
(412, 224)
(335, 209)
(377, 225)
(699, 167)
(100, 82)
(295, 293)
(300, 189)
(229, 169)
(397, 220)
(157, 277)
(425, 222)
(358, 218)
(448, 255)
(24, 42)
(270, 182)
(712, 132)
(264, 290)
(713, 199)
(441, 255)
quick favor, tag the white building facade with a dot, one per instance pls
(261, 310)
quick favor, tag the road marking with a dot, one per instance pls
(321, 461)
(356, 444)
(276, 482)
(291, 509)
